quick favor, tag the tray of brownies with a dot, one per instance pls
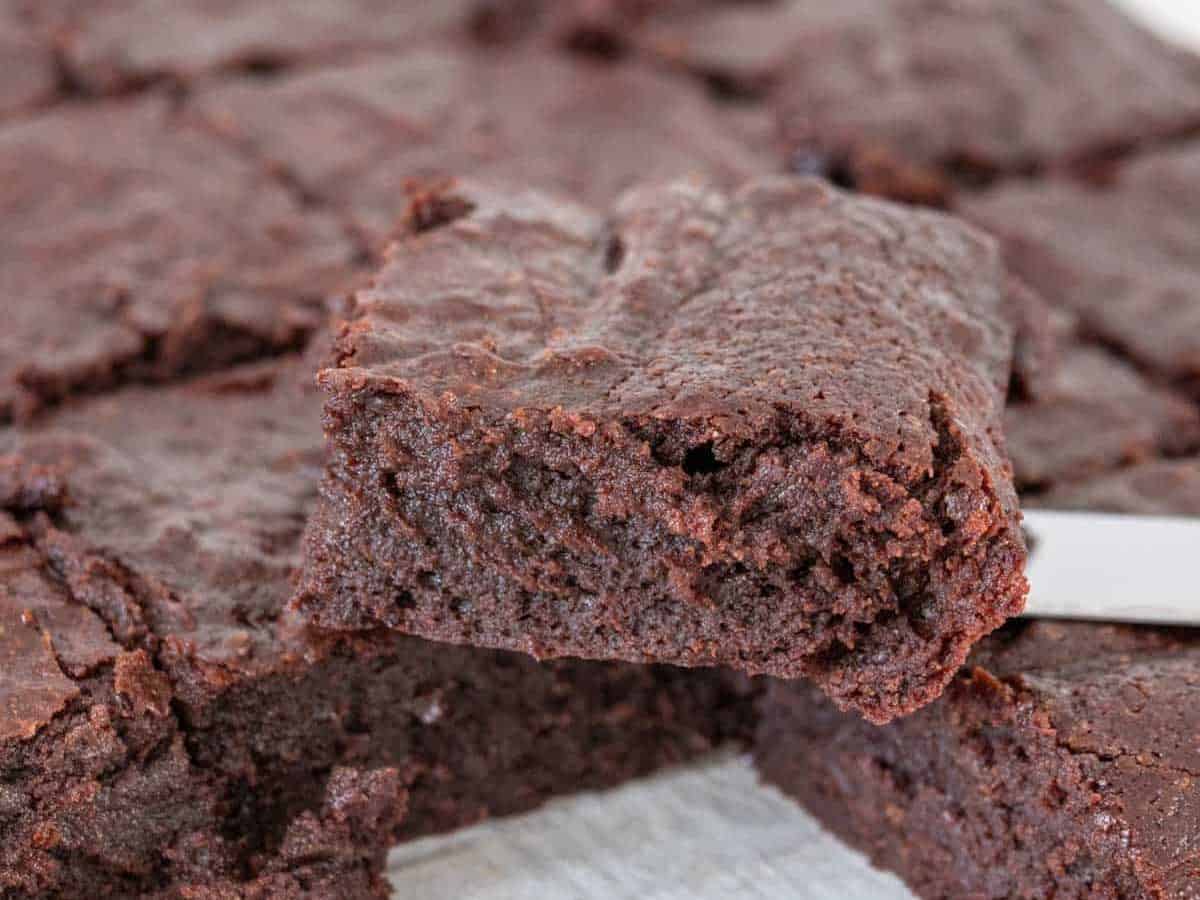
(580, 449)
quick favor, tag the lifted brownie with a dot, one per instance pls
(1122, 255)
(904, 97)
(139, 247)
(355, 136)
(755, 429)
(164, 723)
(1095, 412)
(1064, 761)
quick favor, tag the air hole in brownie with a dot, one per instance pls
(405, 600)
(842, 568)
(614, 254)
(702, 460)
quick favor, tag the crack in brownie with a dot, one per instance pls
(1064, 761)
(164, 723)
(355, 136)
(118, 45)
(139, 247)
(1094, 413)
(1122, 256)
(756, 429)
(907, 97)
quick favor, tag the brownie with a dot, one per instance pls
(116, 45)
(165, 723)
(1062, 762)
(98, 794)
(755, 429)
(354, 136)
(1094, 413)
(137, 247)
(1160, 487)
(1120, 255)
(30, 74)
(908, 97)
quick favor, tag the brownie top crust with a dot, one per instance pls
(180, 512)
(1121, 255)
(138, 247)
(353, 136)
(954, 88)
(787, 296)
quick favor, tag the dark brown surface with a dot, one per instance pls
(1095, 413)
(111, 45)
(162, 723)
(1064, 763)
(353, 136)
(30, 77)
(901, 96)
(137, 247)
(754, 429)
(1122, 255)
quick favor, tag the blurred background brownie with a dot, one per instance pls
(137, 247)
(1121, 254)
(353, 136)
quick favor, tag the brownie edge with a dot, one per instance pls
(754, 429)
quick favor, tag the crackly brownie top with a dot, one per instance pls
(987, 83)
(1095, 412)
(133, 240)
(176, 514)
(788, 297)
(109, 44)
(1123, 257)
(355, 135)
(29, 72)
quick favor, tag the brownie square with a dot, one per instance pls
(1062, 761)
(910, 98)
(1158, 487)
(1095, 412)
(756, 429)
(1119, 254)
(353, 136)
(138, 247)
(166, 724)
